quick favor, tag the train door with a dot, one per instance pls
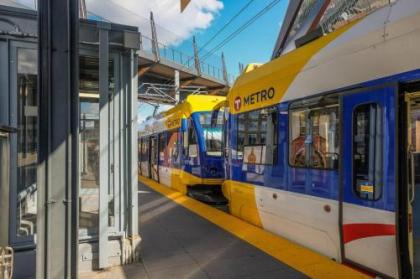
(154, 158)
(368, 175)
(413, 171)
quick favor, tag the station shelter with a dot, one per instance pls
(107, 141)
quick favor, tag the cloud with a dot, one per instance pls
(172, 26)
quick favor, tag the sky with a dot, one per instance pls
(255, 44)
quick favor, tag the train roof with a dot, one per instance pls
(265, 85)
(195, 103)
(380, 44)
(171, 119)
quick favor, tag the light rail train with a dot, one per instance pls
(322, 143)
(181, 149)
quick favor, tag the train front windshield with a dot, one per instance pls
(213, 134)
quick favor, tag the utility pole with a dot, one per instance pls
(225, 74)
(155, 44)
(177, 86)
(196, 57)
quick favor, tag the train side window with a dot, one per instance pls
(173, 147)
(297, 146)
(162, 149)
(257, 136)
(192, 142)
(367, 151)
(144, 147)
(314, 130)
(212, 126)
(185, 142)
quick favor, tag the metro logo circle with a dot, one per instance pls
(237, 103)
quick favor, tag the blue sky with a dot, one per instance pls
(253, 45)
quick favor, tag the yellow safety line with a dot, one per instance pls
(300, 258)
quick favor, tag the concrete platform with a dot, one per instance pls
(183, 238)
(177, 243)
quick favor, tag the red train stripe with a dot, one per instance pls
(362, 230)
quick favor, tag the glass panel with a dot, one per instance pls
(337, 14)
(89, 133)
(154, 157)
(27, 141)
(254, 130)
(144, 158)
(297, 147)
(89, 144)
(192, 141)
(173, 148)
(304, 11)
(414, 133)
(163, 158)
(367, 151)
(314, 133)
(20, 4)
(212, 133)
(341, 12)
(325, 148)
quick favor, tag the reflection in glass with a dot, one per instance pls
(27, 141)
(314, 130)
(89, 145)
(297, 147)
(415, 137)
(212, 133)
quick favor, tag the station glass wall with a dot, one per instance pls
(27, 120)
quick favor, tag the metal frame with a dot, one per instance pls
(103, 143)
(133, 147)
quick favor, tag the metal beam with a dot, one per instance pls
(144, 69)
(103, 142)
(291, 14)
(133, 159)
(57, 174)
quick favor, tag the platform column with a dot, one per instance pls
(57, 181)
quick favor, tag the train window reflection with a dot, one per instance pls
(144, 157)
(27, 145)
(258, 128)
(173, 151)
(192, 141)
(213, 132)
(367, 151)
(314, 130)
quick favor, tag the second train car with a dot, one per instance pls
(182, 149)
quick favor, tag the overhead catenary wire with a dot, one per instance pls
(241, 28)
(226, 24)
